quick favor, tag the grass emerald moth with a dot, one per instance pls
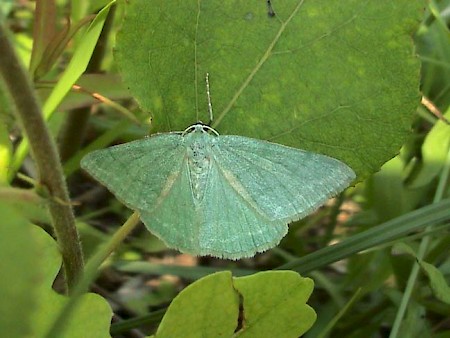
(226, 196)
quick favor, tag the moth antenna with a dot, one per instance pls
(208, 94)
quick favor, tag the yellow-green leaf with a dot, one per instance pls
(20, 274)
(275, 304)
(206, 308)
(272, 304)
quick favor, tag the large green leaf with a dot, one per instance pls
(92, 315)
(334, 77)
(91, 318)
(30, 261)
(19, 274)
(206, 308)
(30, 205)
(274, 305)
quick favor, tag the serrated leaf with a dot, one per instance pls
(275, 304)
(326, 76)
(206, 308)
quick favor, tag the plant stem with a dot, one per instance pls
(90, 273)
(45, 154)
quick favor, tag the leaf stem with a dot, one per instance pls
(90, 273)
(45, 154)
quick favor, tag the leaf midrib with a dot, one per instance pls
(252, 74)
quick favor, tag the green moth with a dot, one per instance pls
(220, 195)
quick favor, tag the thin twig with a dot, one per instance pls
(433, 109)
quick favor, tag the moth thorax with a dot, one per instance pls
(199, 166)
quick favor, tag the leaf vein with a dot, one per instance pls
(261, 62)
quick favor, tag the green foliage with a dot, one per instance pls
(74, 70)
(334, 77)
(92, 314)
(206, 308)
(315, 76)
(437, 280)
(434, 152)
(27, 283)
(19, 274)
(274, 304)
(5, 153)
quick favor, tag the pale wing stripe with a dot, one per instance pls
(169, 184)
(256, 171)
(303, 171)
(317, 189)
(176, 221)
(259, 178)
